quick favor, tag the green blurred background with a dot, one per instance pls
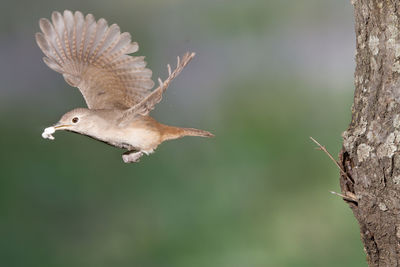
(267, 75)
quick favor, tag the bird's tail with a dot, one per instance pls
(177, 132)
(196, 132)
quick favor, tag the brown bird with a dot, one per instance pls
(116, 86)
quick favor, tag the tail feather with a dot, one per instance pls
(177, 132)
(196, 132)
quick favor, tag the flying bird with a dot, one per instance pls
(116, 86)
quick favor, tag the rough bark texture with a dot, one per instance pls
(371, 147)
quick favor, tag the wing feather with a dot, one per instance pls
(148, 103)
(94, 57)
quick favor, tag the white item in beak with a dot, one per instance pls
(47, 133)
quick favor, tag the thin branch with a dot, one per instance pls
(350, 197)
(321, 147)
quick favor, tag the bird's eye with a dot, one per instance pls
(75, 120)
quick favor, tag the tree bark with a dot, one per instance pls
(370, 155)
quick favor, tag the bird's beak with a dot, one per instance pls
(59, 126)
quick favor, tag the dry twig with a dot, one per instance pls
(349, 196)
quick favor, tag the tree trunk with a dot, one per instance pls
(370, 155)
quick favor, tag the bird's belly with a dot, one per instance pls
(134, 138)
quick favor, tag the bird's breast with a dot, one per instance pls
(133, 138)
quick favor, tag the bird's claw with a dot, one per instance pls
(130, 157)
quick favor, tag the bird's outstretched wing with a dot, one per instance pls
(94, 57)
(147, 103)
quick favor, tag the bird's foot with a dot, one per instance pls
(131, 156)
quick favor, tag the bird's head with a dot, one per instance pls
(78, 120)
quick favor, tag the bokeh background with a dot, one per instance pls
(267, 75)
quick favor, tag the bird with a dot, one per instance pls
(116, 86)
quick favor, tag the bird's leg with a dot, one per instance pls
(132, 156)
